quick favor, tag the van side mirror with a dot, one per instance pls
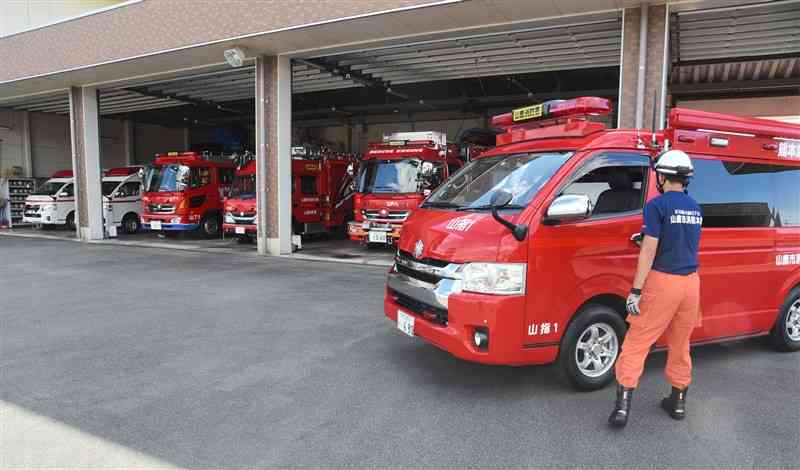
(569, 207)
(501, 198)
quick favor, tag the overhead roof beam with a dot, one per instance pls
(354, 75)
(200, 104)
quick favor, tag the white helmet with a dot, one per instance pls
(674, 162)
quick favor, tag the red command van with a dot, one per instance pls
(526, 255)
(184, 192)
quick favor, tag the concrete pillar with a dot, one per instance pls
(273, 154)
(653, 65)
(85, 137)
(25, 143)
(186, 138)
(127, 142)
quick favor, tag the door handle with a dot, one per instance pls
(637, 238)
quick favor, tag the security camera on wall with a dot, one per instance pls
(235, 56)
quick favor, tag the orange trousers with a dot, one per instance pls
(670, 304)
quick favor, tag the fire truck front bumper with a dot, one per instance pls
(168, 224)
(240, 229)
(382, 232)
(450, 319)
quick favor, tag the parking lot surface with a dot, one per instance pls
(146, 357)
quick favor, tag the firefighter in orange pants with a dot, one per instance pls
(665, 297)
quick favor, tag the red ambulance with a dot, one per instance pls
(184, 192)
(527, 255)
(395, 176)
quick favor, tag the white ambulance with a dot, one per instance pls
(122, 198)
(54, 202)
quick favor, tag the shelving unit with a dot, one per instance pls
(18, 190)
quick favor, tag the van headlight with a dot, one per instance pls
(494, 278)
(229, 218)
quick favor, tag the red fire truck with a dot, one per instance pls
(322, 190)
(184, 192)
(527, 255)
(395, 176)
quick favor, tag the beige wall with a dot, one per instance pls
(21, 15)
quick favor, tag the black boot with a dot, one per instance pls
(675, 403)
(622, 407)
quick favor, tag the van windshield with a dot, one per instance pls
(389, 176)
(50, 188)
(474, 185)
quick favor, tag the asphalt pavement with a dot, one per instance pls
(119, 356)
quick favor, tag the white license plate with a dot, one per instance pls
(155, 225)
(240, 230)
(377, 237)
(405, 323)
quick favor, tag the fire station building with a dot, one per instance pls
(112, 83)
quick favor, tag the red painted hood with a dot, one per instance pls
(461, 237)
(240, 205)
(162, 198)
(392, 202)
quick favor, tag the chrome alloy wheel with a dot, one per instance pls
(793, 322)
(597, 349)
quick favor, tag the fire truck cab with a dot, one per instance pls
(322, 190)
(395, 176)
(240, 205)
(53, 203)
(185, 192)
(527, 255)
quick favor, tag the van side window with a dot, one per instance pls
(68, 190)
(129, 189)
(614, 183)
(739, 194)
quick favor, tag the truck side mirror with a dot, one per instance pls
(501, 198)
(569, 207)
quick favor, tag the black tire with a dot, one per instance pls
(131, 224)
(605, 320)
(788, 319)
(210, 226)
(70, 224)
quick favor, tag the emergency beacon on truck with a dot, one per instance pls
(184, 191)
(395, 176)
(526, 256)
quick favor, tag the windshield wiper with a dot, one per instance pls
(489, 206)
(443, 205)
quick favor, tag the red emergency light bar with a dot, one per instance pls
(122, 171)
(576, 107)
(63, 174)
